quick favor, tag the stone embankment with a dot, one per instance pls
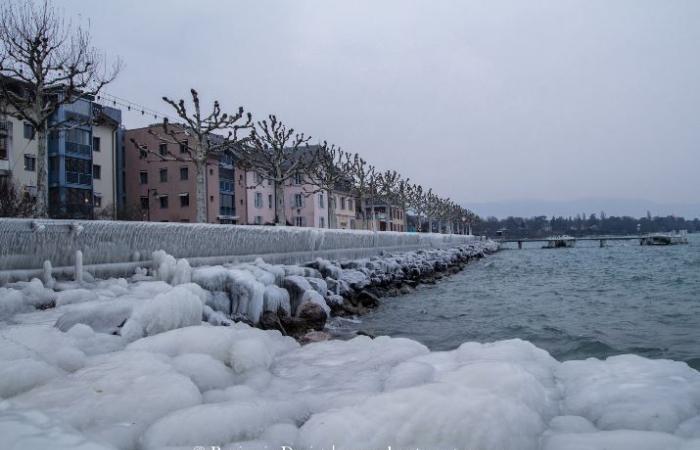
(298, 300)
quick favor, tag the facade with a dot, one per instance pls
(81, 159)
(386, 217)
(304, 205)
(161, 188)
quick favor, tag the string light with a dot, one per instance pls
(107, 98)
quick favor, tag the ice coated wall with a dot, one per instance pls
(116, 248)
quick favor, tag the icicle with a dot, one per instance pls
(79, 266)
(48, 278)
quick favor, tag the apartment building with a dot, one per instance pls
(160, 187)
(386, 217)
(81, 159)
(305, 205)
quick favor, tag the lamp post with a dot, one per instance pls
(464, 224)
(148, 195)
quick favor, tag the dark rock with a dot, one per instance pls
(365, 333)
(367, 299)
(405, 289)
(309, 317)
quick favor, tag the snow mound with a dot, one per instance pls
(176, 308)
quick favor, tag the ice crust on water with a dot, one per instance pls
(168, 379)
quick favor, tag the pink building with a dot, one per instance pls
(304, 205)
(161, 188)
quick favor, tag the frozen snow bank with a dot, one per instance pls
(171, 380)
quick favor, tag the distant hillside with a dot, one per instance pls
(611, 206)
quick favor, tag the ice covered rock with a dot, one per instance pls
(297, 286)
(176, 308)
(313, 297)
(319, 285)
(11, 303)
(276, 299)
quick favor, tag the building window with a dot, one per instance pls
(183, 147)
(96, 172)
(350, 204)
(226, 205)
(29, 163)
(320, 201)
(28, 131)
(163, 148)
(298, 221)
(143, 177)
(95, 144)
(184, 200)
(258, 220)
(3, 147)
(269, 201)
(298, 201)
(97, 201)
(322, 222)
(258, 179)
(298, 178)
(342, 202)
(184, 173)
(258, 200)
(163, 201)
(144, 203)
(163, 175)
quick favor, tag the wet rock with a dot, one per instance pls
(365, 333)
(405, 289)
(310, 317)
(271, 321)
(367, 299)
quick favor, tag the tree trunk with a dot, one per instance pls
(280, 213)
(331, 210)
(42, 173)
(201, 190)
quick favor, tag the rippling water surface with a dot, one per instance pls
(576, 303)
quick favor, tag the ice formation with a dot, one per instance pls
(117, 364)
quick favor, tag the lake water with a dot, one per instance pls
(576, 303)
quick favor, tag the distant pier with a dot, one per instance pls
(569, 241)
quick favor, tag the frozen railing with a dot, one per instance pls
(118, 247)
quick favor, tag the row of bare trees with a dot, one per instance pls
(277, 153)
(47, 62)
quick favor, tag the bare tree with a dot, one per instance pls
(277, 154)
(362, 174)
(46, 62)
(197, 139)
(416, 201)
(328, 173)
(396, 191)
(14, 202)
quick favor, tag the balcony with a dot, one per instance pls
(84, 179)
(80, 150)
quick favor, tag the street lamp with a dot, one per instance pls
(464, 224)
(148, 196)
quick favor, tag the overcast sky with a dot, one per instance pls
(480, 100)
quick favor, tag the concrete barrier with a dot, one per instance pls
(112, 248)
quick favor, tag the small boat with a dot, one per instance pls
(665, 238)
(563, 241)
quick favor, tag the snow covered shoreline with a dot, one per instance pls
(146, 364)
